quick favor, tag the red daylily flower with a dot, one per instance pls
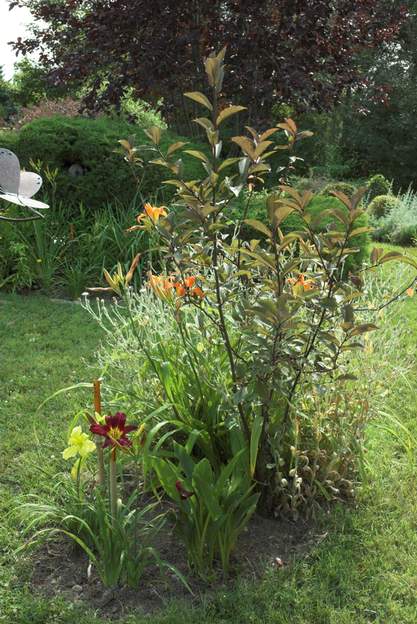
(184, 494)
(114, 430)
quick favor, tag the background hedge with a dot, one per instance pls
(91, 144)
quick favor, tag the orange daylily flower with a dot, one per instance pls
(307, 284)
(187, 287)
(153, 212)
(161, 285)
(197, 292)
(150, 213)
(410, 292)
(180, 288)
(189, 282)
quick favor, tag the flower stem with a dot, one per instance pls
(100, 455)
(113, 485)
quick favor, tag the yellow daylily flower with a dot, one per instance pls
(78, 444)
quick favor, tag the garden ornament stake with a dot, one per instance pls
(18, 187)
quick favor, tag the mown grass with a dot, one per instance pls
(364, 568)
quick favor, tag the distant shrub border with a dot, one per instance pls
(380, 206)
(377, 185)
(84, 151)
(343, 187)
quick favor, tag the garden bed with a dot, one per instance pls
(266, 544)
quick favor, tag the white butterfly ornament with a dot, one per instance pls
(16, 186)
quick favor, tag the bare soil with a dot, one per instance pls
(62, 570)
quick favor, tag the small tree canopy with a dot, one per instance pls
(301, 52)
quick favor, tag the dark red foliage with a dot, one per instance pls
(298, 52)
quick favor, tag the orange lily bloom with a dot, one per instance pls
(181, 292)
(150, 213)
(153, 212)
(197, 292)
(189, 282)
(187, 287)
(306, 284)
(161, 285)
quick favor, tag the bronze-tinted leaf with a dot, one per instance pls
(228, 112)
(363, 329)
(154, 134)
(197, 154)
(246, 145)
(259, 226)
(200, 98)
(205, 123)
(376, 254)
(361, 230)
(175, 146)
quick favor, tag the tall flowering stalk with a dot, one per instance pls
(97, 409)
(114, 431)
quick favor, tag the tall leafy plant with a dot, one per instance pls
(282, 305)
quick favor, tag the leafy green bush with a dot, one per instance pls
(341, 187)
(213, 509)
(140, 112)
(377, 185)
(398, 224)
(84, 153)
(380, 206)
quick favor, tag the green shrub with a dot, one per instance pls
(340, 187)
(380, 206)
(377, 185)
(90, 172)
(399, 224)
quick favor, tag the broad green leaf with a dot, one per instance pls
(203, 483)
(167, 475)
(254, 442)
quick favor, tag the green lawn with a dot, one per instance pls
(363, 570)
